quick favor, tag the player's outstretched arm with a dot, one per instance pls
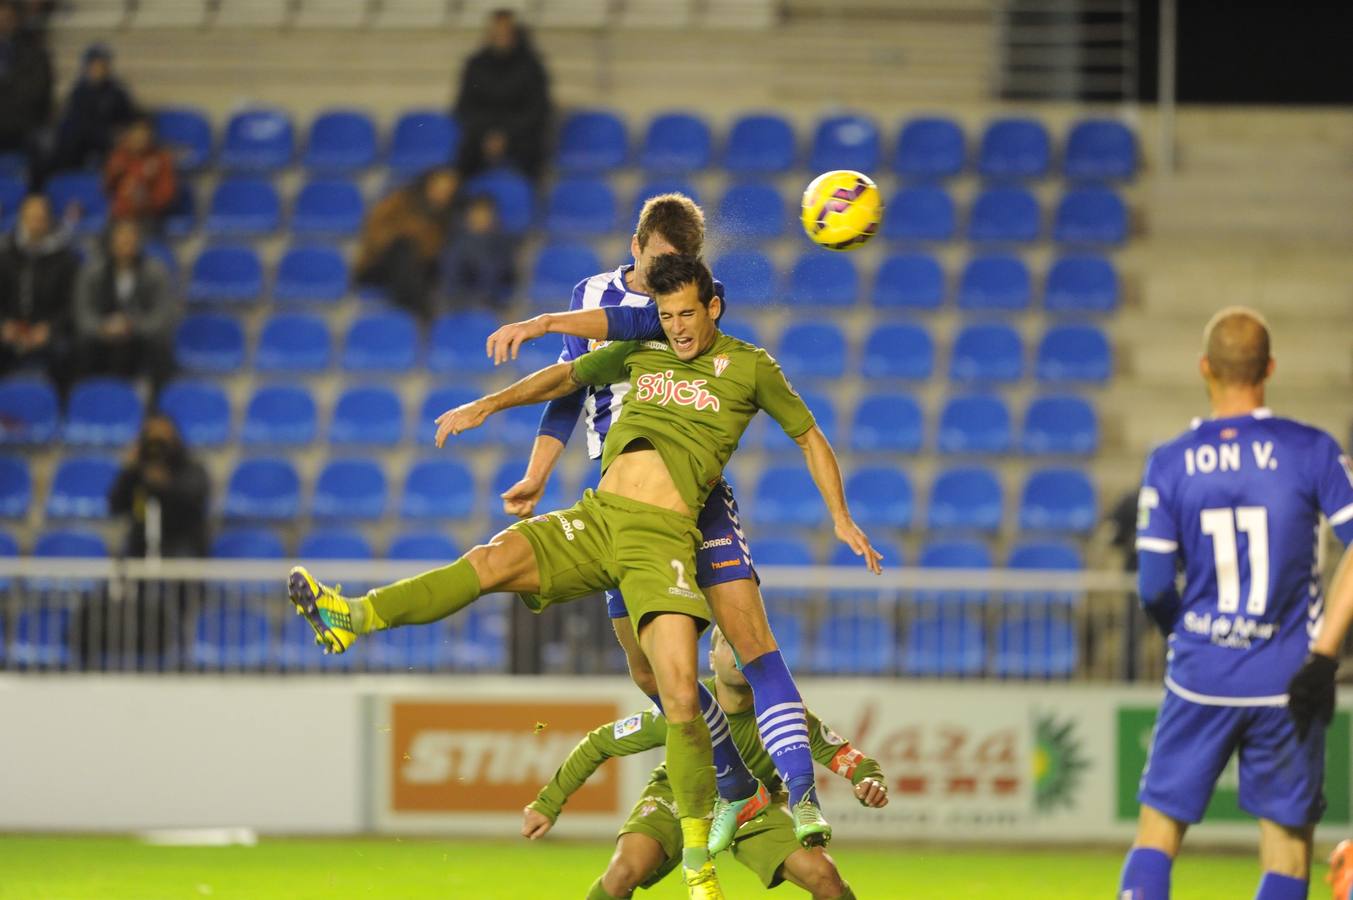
(545, 384)
(826, 472)
(506, 342)
(835, 752)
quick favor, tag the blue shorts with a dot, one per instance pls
(1280, 776)
(723, 556)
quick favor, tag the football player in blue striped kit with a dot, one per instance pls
(1237, 499)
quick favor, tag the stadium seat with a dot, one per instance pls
(180, 219)
(952, 553)
(9, 549)
(1074, 353)
(752, 212)
(990, 352)
(748, 276)
(369, 415)
(48, 645)
(226, 274)
(1062, 423)
(819, 403)
(920, 213)
(1045, 555)
(676, 144)
(508, 473)
(949, 643)
(813, 350)
(311, 275)
(422, 545)
(517, 426)
(163, 254)
(263, 488)
(230, 635)
(209, 342)
(80, 488)
(85, 190)
(740, 328)
(654, 187)
(349, 489)
(845, 142)
(1099, 150)
(760, 144)
(859, 643)
(279, 415)
(929, 148)
(12, 191)
(880, 495)
(1077, 284)
(248, 543)
(42, 635)
(296, 651)
(966, 498)
(1090, 215)
(581, 207)
(1035, 647)
(408, 650)
(558, 268)
(785, 602)
(422, 139)
(334, 543)
(293, 342)
(13, 164)
(592, 141)
(438, 489)
(1014, 148)
(328, 207)
(786, 496)
(823, 280)
(102, 412)
(885, 422)
(1004, 215)
(511, 195)
(243, 206)
(898, 350)
(340, 140)
(998, 282)
(258, 140)
(186, 132)
(975, 423)
(438, 401)
(1060, 500)
(909, 281)
(381, 342)
(16, 487)
(456, 342)
(28, 411)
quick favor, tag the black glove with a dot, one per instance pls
(1310, 693)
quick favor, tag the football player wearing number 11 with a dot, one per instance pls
(1253, 645)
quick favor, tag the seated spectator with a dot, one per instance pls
(98, 105)
(480, 267)
(504, 102)
(139, 176)
(25, 83)
(125, 311)
(37, 280)
(403, 238)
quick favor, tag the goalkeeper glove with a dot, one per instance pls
(1310, 693)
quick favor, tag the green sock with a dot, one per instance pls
(597, 892)
(690, 772)
(421, 599)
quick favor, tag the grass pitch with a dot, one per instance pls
(57, 868)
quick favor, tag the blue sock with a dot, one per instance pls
(1146, 875)
(735, 782)
(657, 701)
(1281, 887)
(780, 719)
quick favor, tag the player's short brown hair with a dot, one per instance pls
(1236, 344)
(667, 273)
(677, 218)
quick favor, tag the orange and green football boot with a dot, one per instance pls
(328, 612)
(1340, 877)
(730, 815)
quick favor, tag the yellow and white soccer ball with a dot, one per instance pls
(841, 209)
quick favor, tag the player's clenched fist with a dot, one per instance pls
(872, 792)
(520, 500)
(534, 824)
(462, 418)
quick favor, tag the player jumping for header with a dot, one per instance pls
(1238, 498)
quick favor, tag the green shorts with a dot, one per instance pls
(605, 541)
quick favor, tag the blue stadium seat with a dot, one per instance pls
(782, 551)
(263, 488)
(311, 274)
(16, 487)
(786, 496)
(887, 423)
(952, 553)
(511, 194)
(186, 132)
(842, 555)
(9, 549)
(102, 412)
(898, 350)
(784, 602)
(349, 489)
(13, 164)
(819, 403)
(12, 191)
(845, 142)
(920, 213)
(1090, 215)
(676, 143)
(990, 352)
(1035, 647)
(180, 219)
(760, 144)
(258, 140)
(369, 415)
(209, 342)
(439, 489)
(929, 147)
(748, 276)
(411, 649)
(39, 635)
(581, 206)
(422, 545)
(740, 328)
(334, 543)
(328, 207)
(280, 414)
(862, 643)
(966, 498)
(456, 341)
(558, 268)
(880, 495)
(1004, 214)
(231, 635)
(438, 401)
(508, 473)
(1014, 148)
(1057, 500)
(74, 543)
(823, 279)
(909, 281)
(163, 254)
(80, 488)
(592, 141)
(243, 206)
(226, 274)
(1060, 423)
(517, 426)
(997, 282)
(293, 342)
(248, 543)
(85, 189)
(1099, 150)
(752, 212)
(813, 350)
(42, 635)
(654, 187)
(422, 139)
(944, 644)
(381, 342)
(975, 423)
(1086, 284)
(1074, 353)
(28, 411)
(340, 140)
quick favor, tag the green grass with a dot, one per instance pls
(55, 868)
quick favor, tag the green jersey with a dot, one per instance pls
(693, 411)
(648, 729)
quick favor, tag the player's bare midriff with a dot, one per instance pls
(640, 474)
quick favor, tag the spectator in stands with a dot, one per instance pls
(97, 107)
(37, 279)
(504, 102)
(139, 176)
(404, 237)
(163, 493)
(480, 267)
(25, 84)
(124, 310)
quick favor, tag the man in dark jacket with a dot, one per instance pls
(37, 278)
(25, 83)
(504, 102)
(97, 107)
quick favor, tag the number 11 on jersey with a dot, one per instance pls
(1221, 525)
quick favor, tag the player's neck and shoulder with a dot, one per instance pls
(609, 288)
(1250, 425)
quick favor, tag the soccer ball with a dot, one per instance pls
(841, 209)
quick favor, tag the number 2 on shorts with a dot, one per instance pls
(680, 568)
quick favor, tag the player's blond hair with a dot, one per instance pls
(1236, 344)
(677, 218)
